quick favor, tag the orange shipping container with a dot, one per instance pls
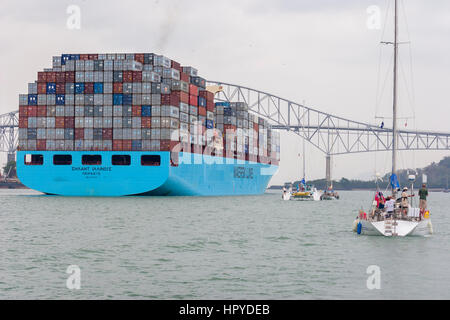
(118, 87)
(59, 122)
(146, 122)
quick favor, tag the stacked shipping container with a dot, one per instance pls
(136, 102)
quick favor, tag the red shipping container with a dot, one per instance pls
(32, 111)
(117, 87)
(41, 144)
(117, 145)
(126, 145)
(79, 133)
(59, 122)
(139, 57)
(127, 76)
(60, 77)
(146, 122)
(70, 76)
(184, 97)
(23, 111)
(175, 98)
(84, 57)
(136, 111)
(23, 121)
(184, 77)
(193, 100)
(255, 127)
(42, 77)
(164, 145)
(89, 87)
(60, 88)
(42, 87)
(193, 89)
(202, 111)
(229, 127)
(51, 77)
(137, 76)
(165, 99)
(107, 134)
(69, 122)
(206, 94)
(41, 111)
(176, 66)
(93, 56)
(210, 106)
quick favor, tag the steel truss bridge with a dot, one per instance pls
(333, 135)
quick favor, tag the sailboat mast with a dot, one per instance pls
(304, 170)
(395, 97)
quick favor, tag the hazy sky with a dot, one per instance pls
(318, 51)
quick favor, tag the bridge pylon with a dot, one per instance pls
(328, 170)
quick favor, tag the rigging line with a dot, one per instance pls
(379, 95)
(408, 93)
(388, 72)
(413, 92)
(380, 54)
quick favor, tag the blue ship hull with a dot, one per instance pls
(195, 175)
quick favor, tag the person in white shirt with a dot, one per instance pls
(390, 204)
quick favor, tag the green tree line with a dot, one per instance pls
(438, 175)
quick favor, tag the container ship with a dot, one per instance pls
(138, 124)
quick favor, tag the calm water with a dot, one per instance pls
(255, 247)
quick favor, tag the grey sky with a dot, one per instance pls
(320, 52)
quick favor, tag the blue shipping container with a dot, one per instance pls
(74, 57)
(79, 88)
(136, 145)
(222, 104)
(201, 102)
(98, 87)
(117, 99)
(127, 99)
(32, 99)
(146, 111)
(209, 124)
(51, 88)
(60, 99)
(65, 58)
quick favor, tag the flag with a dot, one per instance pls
(394, 182)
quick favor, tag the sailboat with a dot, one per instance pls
(403, 219)
(305, 192)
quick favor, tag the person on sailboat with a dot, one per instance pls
(390, 205)
(380, 200)
(423, 193)
(404, 201)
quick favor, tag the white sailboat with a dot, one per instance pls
(305, 192)
(404, 220)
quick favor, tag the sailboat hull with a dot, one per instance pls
(401, 229)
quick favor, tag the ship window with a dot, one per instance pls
(62, 159)
(34, 159)
(121, 160)
(92, 160)
(150, 160)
